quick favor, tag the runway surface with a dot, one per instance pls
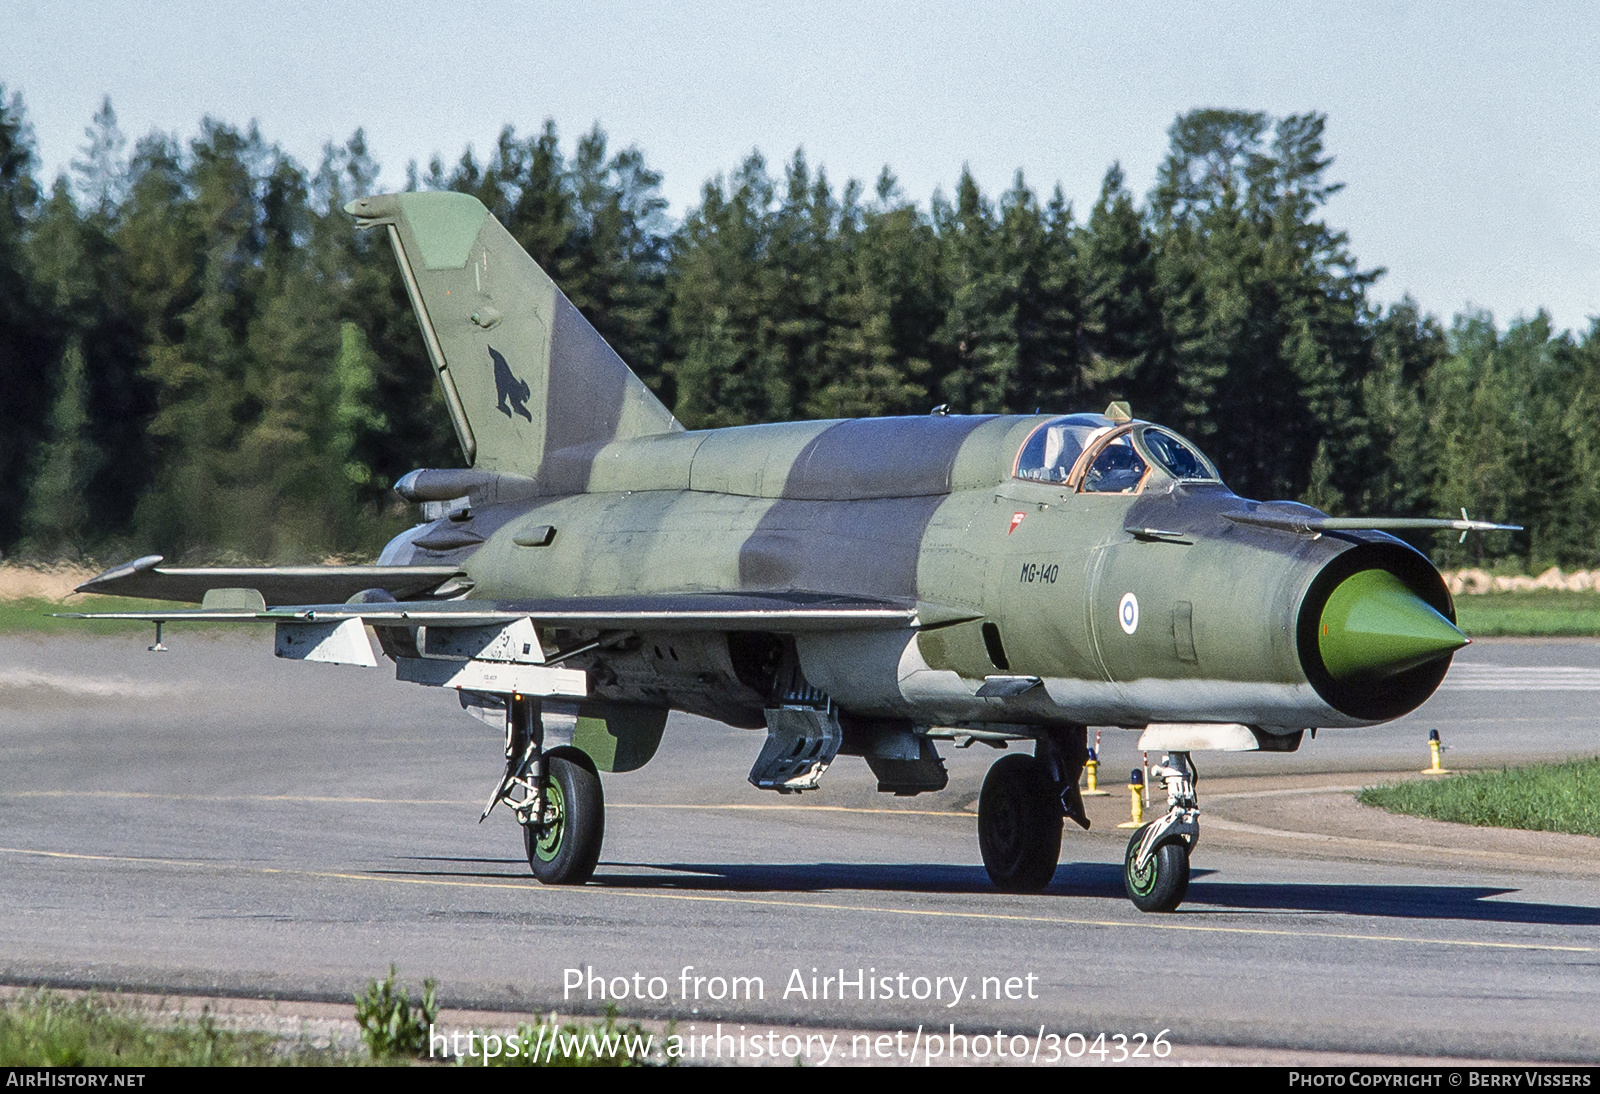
(215, 820)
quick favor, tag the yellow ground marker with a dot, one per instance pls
(1136, 791)
(1435, 747)
(1091, 772)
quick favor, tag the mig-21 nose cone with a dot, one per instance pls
(1373, 626)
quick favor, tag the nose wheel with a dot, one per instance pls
(1155, 870)
(1162, 881)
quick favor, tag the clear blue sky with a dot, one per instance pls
(1468, 134)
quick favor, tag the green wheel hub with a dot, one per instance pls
(1143, 881)
(1162, 883)
(563, 844)
(553, 828)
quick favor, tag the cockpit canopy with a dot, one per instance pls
(1095, 454)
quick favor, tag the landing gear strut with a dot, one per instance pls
(556, 797)
(1155, 870)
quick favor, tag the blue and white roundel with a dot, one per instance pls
(1128, 613)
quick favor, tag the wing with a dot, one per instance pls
(779, 612)
(277, 584)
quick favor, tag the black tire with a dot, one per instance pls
(1019, 825)
(1164, 882)
(566, 850)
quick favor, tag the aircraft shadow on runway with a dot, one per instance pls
(1469, 902)
(1082, 879)
(786, 877)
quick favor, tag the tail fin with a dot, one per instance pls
(522, 371)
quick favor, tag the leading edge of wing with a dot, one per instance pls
(143, 577)
(781, 612)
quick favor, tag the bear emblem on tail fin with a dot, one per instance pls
(509, 387)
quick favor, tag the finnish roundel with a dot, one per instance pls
(1128, 613)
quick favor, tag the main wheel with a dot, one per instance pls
(1164, 881)
(1019, 825)
(564, 849)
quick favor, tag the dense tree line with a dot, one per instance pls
(200, 356)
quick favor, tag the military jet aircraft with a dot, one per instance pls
(859, 587)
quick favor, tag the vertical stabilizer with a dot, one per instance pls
(523, 373)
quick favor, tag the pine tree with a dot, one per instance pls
(358, 267)
(119, 401)
(1050, 372)
(862, 373)
(1471, 424)
(618, 250)
(1122, 320)
(56, 521)
(1392, 455)
(102, 170)
(25, 339)
(1265, 317)
(976, 354)
(895, 288)
(728, 306)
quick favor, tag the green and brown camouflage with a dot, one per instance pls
(857, 587)
(948, 556)
(483, 304)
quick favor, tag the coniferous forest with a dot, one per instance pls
(200, 357)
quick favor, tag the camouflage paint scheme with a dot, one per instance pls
(941, 567)
(915, 511)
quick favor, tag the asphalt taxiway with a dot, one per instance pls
(215, 820)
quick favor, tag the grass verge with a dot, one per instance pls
(1545, 613)
(33, 615)
(394, 1027)
(52, 1029)
(1542, 797)
(45, 1029)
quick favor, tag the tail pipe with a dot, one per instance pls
(1376, 631)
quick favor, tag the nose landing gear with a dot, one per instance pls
(1155, 871)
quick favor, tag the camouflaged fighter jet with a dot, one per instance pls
(862, 587)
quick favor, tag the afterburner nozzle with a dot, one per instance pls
(1374, 626)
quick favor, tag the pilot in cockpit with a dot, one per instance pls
(1120, 465)
(1052, 451)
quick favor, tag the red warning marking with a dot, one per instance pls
(1016, 519)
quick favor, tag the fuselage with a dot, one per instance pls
(1131, 605)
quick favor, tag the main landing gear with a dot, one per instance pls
(1020, 810)
(556, 797)
(1155, 870)
(1019, 825)
(563, 840)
